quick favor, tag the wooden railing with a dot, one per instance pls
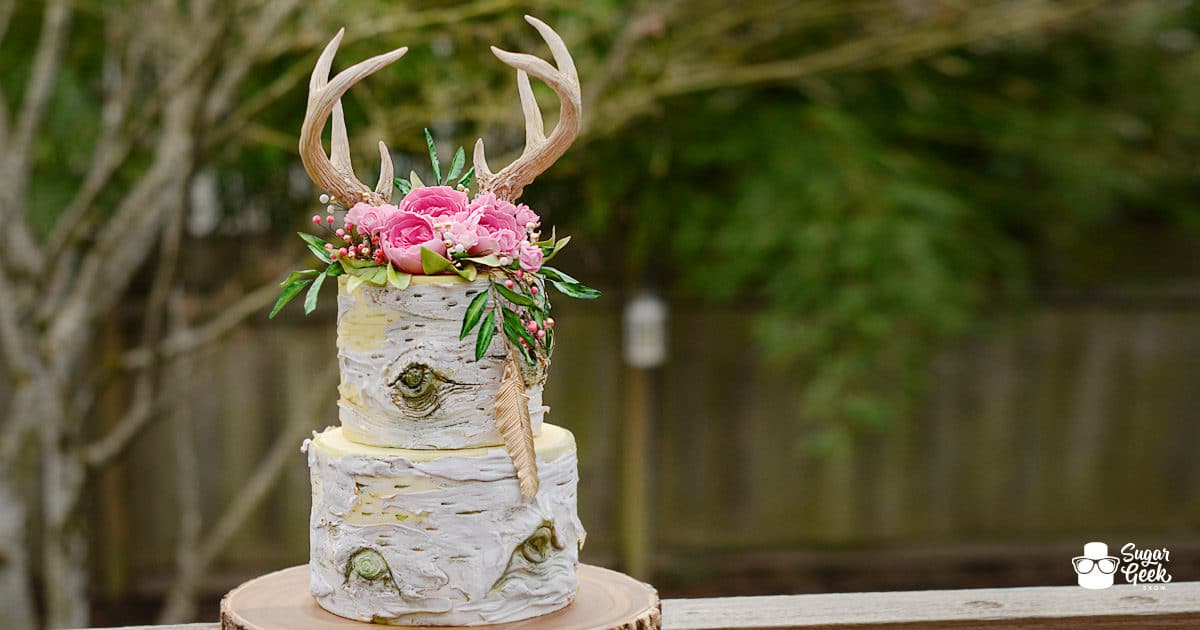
(1175, 605)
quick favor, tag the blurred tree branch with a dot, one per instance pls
(159, 94)
(195, 559)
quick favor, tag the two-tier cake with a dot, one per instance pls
(417, 514)
(443, 498)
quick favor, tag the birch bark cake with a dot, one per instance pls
(404, 381)
(441, 537)
(443, 498)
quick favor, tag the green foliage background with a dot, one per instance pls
(886, 192)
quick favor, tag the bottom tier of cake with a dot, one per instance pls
(441, 537)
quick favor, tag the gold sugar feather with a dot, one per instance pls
(514, 425)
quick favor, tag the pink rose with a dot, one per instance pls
(498, 230)
(526, 217)
(435, 201)
(370, 218)
(403, 237)
(531, 257)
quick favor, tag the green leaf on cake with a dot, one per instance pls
(416, 181)
(456, 165)
(486, 331)
(467, 272)
(576, 290)
(550, 251)
(474, 313)
(491, 260)
(310, 300)
(433, 262)
(296, 275)
(316, 245)
(550, 241)
(514, 297)
(433, 158)
(377, 276)
(398, 279)
(358, 266)
(553, 274)
(290, 290)
(514, 330)
(353, 282)
(465, 180)
(334, 269)
(403, 185)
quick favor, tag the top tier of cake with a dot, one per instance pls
(407, 380)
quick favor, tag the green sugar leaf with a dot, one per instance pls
(514, 297)
(433, 262)
(550, 241)
(474, 313)
(576, 290)
(467, 272)
(334, 269)
(491, 260)
(377, 276)
(353, 282)
(486, 331)
(433, 158)
(403, 185)
(310, 300)
(416, 181)
(290, 291)
(551, 251)
(398, 279)
(514, 330)
(357, 266)
(456, 165)
(465, 180)
(296, 275)
(554, 274)
(316, 245)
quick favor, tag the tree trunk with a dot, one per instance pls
(16, 477)
(16, 598)
(63, 553)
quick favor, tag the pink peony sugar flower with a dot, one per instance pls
(368, 218)
(403, 236)
(462, 233)
(530, 257)
(498, 230)
(435, 201)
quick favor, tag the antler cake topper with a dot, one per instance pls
(434, 230)
(540, 151)
(336, 174)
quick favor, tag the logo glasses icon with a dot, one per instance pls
(1095, 567)
(1084, 564)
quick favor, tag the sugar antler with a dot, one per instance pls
(540, 151)
(336, 175)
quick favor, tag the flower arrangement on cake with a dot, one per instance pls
(438, 230)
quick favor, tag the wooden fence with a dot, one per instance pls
(1076, 423)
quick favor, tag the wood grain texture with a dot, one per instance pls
(1122, 606)
(1048, 607)
(280, 600)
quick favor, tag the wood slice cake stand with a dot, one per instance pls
(281, 601)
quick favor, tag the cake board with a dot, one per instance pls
(281, 601)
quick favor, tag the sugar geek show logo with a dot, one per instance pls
(1096, 569)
